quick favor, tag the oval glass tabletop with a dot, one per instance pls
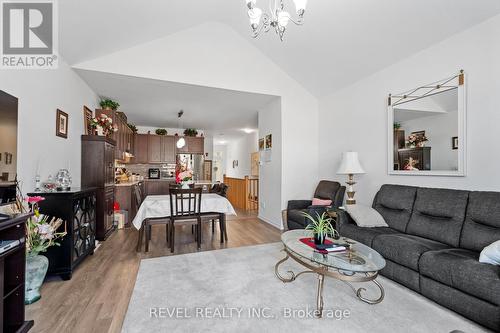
(359, 258)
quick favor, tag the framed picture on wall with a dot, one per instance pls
(454, 143)
(269, 141)
(87, 119)
(62, 124)
(261, 144)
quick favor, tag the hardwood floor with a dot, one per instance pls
(97, 297)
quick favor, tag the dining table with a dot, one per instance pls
(158, 206)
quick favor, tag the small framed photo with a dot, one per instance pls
(261, 144)
(454, 143)
(269, 141)
(62, 124)
(87, 119)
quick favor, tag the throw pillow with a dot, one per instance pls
(321, 202)
(491, 254)
(365, 216)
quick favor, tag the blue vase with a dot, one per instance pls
(36, 269)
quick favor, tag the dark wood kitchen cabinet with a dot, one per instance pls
(77, 208)
(161, 149)
(141, 148)
(157, 187)
(124, 137)
(194, 145)
(98, 170)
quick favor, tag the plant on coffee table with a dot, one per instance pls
(321, 227)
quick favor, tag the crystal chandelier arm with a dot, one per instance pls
(265, 25)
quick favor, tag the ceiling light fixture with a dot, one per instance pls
(277, 19)
(248, 130)
(181, 142)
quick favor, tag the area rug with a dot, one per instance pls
(235, 290)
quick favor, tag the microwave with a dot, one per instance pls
(154, 173)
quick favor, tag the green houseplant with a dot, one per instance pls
(161, 131)
(190, 132)
(321, 227)
(132, 127)
(108, 104)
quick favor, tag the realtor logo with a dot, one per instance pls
(29, 34)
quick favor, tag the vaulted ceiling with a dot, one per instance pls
(341, 42)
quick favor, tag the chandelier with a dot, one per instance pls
(278, 18)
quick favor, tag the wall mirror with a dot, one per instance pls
(427, 127)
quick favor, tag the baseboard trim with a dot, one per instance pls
(271, 223)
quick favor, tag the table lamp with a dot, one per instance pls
(350, 166)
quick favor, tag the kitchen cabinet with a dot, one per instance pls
(124, 137)
(125, 196)
(98, 171)
(194, 145)
(141, 148)
(154, 149)
(161, 149)
(157, 187)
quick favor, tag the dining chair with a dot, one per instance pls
(185, 208)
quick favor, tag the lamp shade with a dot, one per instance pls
(300, 5)
(350, 164)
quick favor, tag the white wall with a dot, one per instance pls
(270, 180)
(219, 161)
(355, 118)
(40, 94)
(240, 150)
(214, 55)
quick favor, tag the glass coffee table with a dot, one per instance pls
(359, 263)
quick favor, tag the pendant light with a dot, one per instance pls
(181, 142)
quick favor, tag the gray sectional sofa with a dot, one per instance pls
(432, 246)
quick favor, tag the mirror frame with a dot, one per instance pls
(462, 135)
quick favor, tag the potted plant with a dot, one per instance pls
(397, 126)
(190, 132)
(108, 104)
(133, 128)
(41, 233)
(321, 227)
(161, 131)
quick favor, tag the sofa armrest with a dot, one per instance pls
(299, 204)
(316, 210)
(343, 218)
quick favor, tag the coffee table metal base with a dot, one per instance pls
(322, 271)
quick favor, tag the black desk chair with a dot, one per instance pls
(185, 208)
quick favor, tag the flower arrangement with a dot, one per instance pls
(109, 104)
(416, 140)
(103, 124)
(41, 230)
(183, 174)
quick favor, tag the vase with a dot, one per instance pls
(100, 131)
(185, 185)
(319, 239)
(36, 268)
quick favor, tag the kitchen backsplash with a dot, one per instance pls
(142, 169)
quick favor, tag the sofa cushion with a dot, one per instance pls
(460, 269)
(365, 216)
(482, 223)
(362, 234)
(395, 204)
(439, 214)
(404, 249)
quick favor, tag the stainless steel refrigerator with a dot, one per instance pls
(194, 162)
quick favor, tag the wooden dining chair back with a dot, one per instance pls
(185, 206)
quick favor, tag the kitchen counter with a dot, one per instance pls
(129, 183)
(172, 179)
